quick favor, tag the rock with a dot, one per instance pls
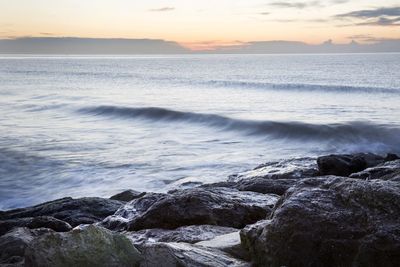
(127, 195)
(90, 246)
(188, 234)
(197, 206)
(391, 157)
(284, 169)
(344, 165)
(14, 243)
(229, 243)
(258, 185)
(387, 171)
(183, 254)
(33, 223)
(330, 221)
(73, 211)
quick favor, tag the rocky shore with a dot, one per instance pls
(337, 210)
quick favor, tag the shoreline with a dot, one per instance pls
(340, 210)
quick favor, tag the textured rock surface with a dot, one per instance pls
(183, 254)
(73, 211)
(127, 195)
(330, 221)
(188, 234)
(213, 206)
(284, 169)
(387, 171)
(344, 165)
(14, 243)
(229, 243)
(91, 246)
(33, 223)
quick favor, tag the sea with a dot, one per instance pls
(85, 126)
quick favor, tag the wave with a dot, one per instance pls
(301, 87)
(350, 132)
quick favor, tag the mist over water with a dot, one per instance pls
(93, 126)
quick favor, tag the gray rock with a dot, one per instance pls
(188, 234)
(284, 169)
(258, 185)
(344, 165)
(330, 221)
(387, 171)
(73, 211)
(197, 206)
(183, 254)
(33, 223)
(127, 195)
(14, 243)
(90, 246)
(229, 243)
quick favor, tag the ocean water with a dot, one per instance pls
(93, 126)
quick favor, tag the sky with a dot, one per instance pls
(204, 24)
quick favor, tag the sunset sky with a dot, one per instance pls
(204, 24)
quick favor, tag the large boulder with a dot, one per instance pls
(330, 221)
(183, 254)
(33, 223)
(189, 234)
(346, 164)
(73, 211)
(197, 206)
(89, 246)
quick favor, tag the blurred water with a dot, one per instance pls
(93, 126)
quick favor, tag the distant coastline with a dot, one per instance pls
(108, 46)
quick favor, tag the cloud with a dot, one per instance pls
(305, 4)
(162, 9)
(264, 13)
(384, 16)
(297, 5)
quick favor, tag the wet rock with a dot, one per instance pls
(33, 223)
(197, 206)
(183, 254)
(284, 169)
(90, 246)
(258, 185)
(330, 221)
(391, 157)
(188, 234)
(229, 243)
(387, 171)
(344, 165)
(14, 243)
(73, 211)
(127, 195)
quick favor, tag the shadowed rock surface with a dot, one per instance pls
(188, 234)
(182, 254)
(258, 185)
(344, 165)
(14, 243)
(33, 223)
(197, 206)
(387, 171)
(73, 211)
(90, 246)
(330, 221)
(127, 195)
